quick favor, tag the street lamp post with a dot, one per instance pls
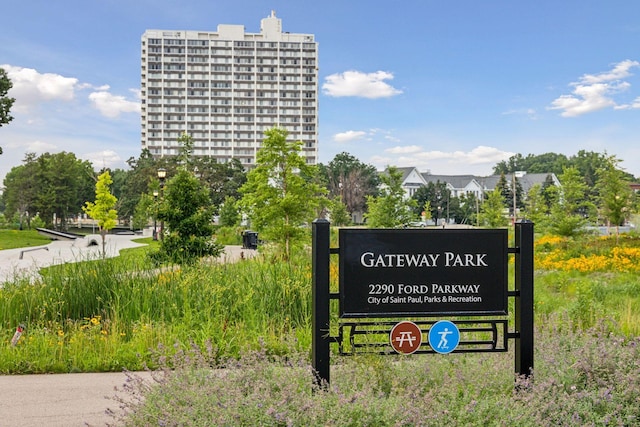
(155, 214)
(162, 174)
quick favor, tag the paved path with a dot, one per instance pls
(66, 400)
(60, 400)
(25, 262)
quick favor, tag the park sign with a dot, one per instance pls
(409, 272)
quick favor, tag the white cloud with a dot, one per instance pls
(381, 161)
(36, 146)
(111, 105)
(31, 87)
(350, 135)
(407, 149)
(480, 160)
(531, 113)
(594, 92)
(619, 71)
(356, 83)
(103, 159)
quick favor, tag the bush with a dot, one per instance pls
(589, 377)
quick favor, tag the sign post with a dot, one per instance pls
(524, 298)
(386, 274)
(320, 296)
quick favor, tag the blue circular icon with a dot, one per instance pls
(444, 337)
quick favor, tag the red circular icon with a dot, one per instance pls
(405, 337)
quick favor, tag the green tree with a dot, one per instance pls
(350, 180)
(615, 195)
(535, 205)
(229, 213)
(426, 211)
(492, 210)
(222, 179)
(391, 208)
(567, 213)
(5, 102)
(102, 210)
(339, 213)
(588, 163)
(439, 197)
(141, 178)
(468, 208)
(21, 190)
(146, 208)
(188, 215)
(64, 184)
(278, 196)
(185, 153)
(53, 185)
(542, 163)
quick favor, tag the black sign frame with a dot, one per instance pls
(423, 273)
(521, 331)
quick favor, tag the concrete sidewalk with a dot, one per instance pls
(61, 400)
(25, 262)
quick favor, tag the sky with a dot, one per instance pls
(450, 87)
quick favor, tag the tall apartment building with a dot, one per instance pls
(225, 88)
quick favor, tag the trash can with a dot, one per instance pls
(249, 239)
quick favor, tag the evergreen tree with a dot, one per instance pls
(187, 213)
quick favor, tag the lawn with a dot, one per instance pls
(12, 239)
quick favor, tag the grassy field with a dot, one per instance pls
(256, 314)
(11, 239)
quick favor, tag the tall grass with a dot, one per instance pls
(107, 314)
(235, 306)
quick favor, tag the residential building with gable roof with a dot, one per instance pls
(412, 179)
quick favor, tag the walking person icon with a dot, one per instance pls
(444, 337)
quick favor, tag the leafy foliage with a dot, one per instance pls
(391, 208)
(615, 195)
(5, 102)
(568, 212)
(437, 196)
(278, 195)
(102, 209)
(188, 214)
(55, 185)
(492, 210)
(339, 213)
(351, 181)
(229, 213)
